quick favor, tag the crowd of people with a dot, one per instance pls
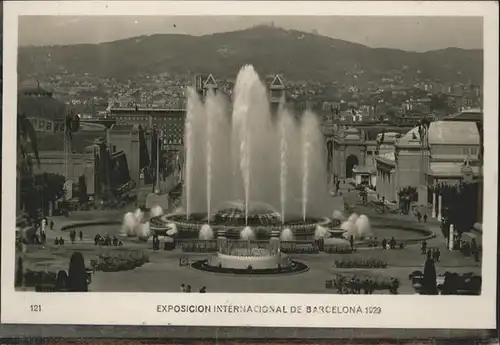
(420, 217)
(107, 241)
(391, 244)
(72, 235)
(433, 254)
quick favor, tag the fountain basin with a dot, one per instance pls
(189, 227)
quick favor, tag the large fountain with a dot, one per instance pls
(249, 171)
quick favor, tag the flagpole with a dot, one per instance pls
(65, 133)
(157, 188)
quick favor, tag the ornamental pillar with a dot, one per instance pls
(433, 204)
(451, 237)
(440, 205)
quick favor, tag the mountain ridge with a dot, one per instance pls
(299, 55)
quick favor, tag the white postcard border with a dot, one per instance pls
(398, 311)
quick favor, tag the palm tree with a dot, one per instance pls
(27, 149)
(27, 145)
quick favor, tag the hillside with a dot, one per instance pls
(296, 54)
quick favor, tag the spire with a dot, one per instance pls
(277, 82)
(210, 82)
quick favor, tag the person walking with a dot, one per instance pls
(425, 218)
(81, 235)
(437, 254)
(424, 246)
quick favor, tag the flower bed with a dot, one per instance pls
(370, 263)
(35, 278)
(120, 262)
(355, 284)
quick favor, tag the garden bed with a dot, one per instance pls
(360, 284)
(119, 262)
(354, 263)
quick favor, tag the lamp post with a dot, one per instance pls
(157, 184)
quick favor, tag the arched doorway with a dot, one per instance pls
(350, 163)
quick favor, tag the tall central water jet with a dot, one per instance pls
(246, 155)
(283, 160)
(252, 127)
(195, 133)
(210, 138)
(306, 155)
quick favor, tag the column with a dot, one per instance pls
(385, 184)
(433, 204)
(440, 202)
(451, 238)
(392, 177)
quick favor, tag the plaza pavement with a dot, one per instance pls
(164, 274)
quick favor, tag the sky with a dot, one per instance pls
(406, 33)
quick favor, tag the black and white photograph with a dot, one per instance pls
(250, 154)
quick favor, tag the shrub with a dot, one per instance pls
(355, 284)
(77, 277)
(116, 263)
(19, 272)
(61, 280)
(34, 278)
(465, 284)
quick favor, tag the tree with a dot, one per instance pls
(27, 146)
(19, 272)
(39, 191)
(61, 280)
(82, 190)
(460, 204)
(429, 281)
(77, 277)
(27, 149)
(406, 196)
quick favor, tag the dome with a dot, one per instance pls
(233, 213)
(352, 133)
(446, 132)
(411, 136)
(453, 132)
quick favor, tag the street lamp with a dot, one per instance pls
(157, 184)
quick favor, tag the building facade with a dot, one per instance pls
(438, 158)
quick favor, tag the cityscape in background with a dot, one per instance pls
(401, 134)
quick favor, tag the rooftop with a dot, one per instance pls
(55, 141)
(450, 169)
(445, 132)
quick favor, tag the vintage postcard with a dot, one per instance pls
(277, 164)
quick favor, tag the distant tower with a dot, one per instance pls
(276, 89)
(204, 83)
